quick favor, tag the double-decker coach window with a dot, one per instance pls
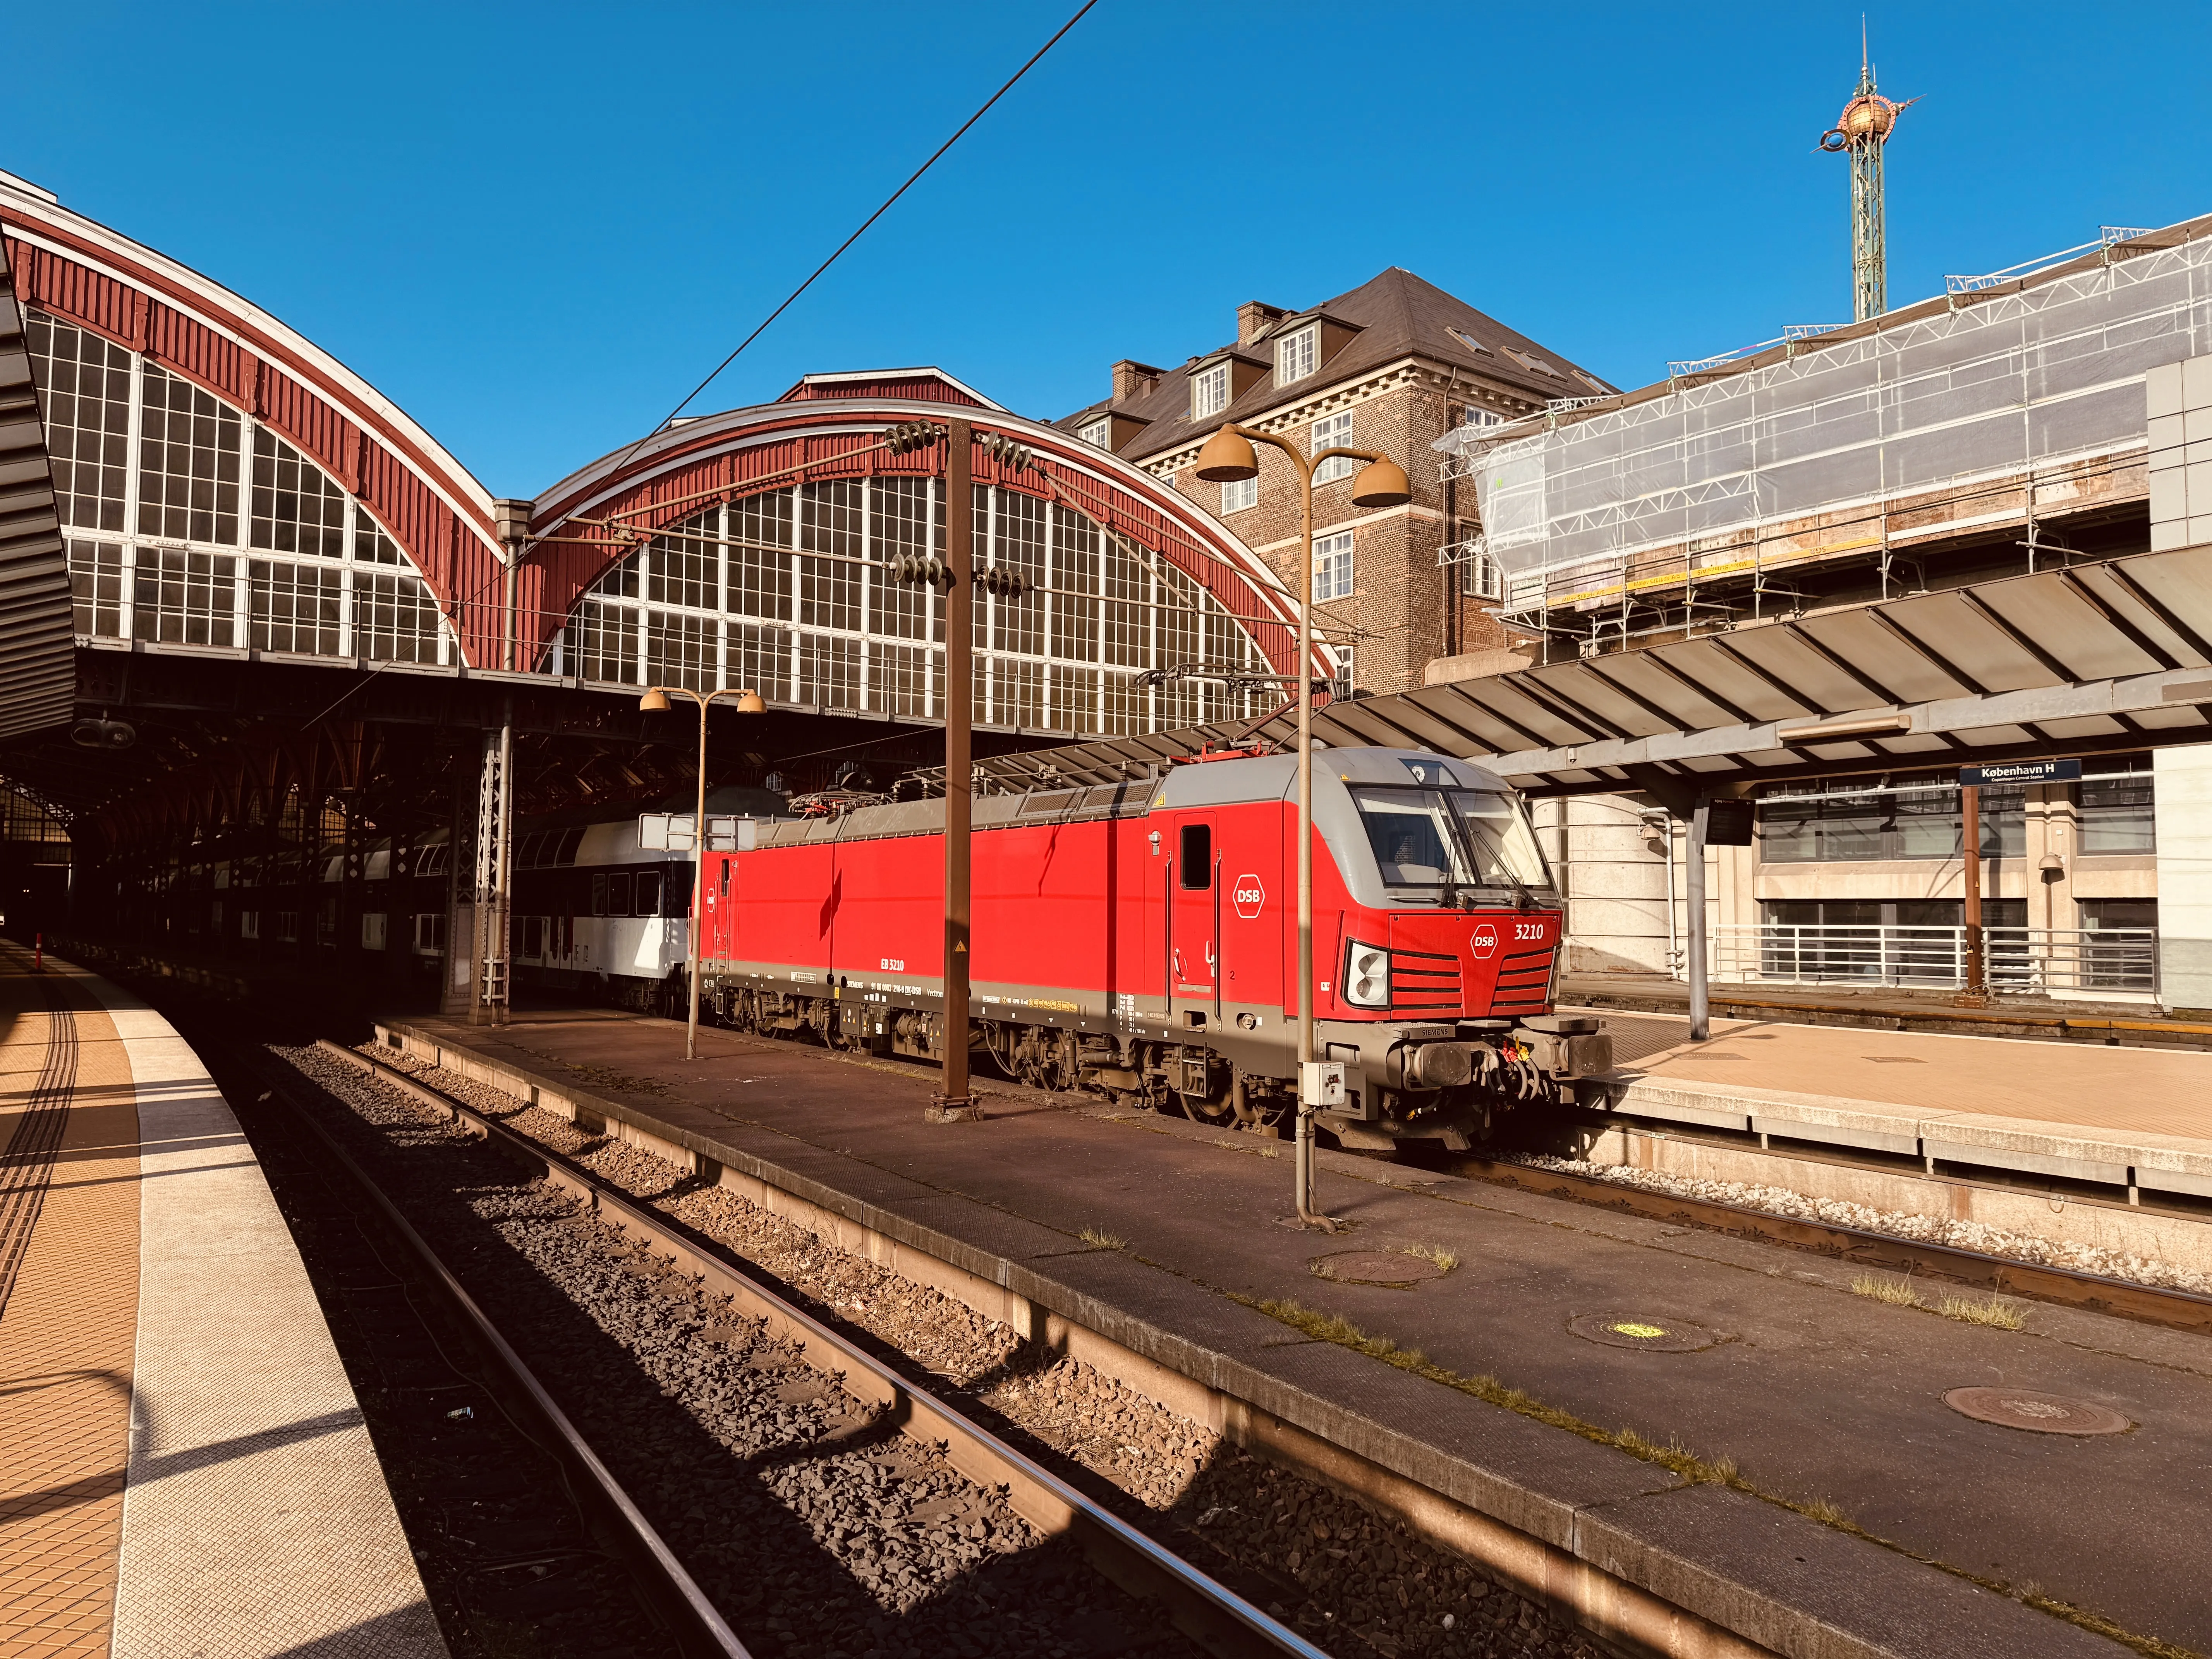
(649, 893)
(599, 895)
(1196, 857)
(618, 894)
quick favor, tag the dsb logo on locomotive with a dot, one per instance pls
(1250, 897)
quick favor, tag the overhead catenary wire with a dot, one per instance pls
(912, 180)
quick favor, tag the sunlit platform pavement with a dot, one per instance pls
(1163, 1235)
(183, 1468)
(2134, 1122)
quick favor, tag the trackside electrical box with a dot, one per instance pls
(1320, 1085)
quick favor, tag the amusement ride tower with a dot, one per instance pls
(1863, 130)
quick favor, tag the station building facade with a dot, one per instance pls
(1389, 366)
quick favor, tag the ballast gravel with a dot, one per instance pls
(1350, 1581)
(1928, 1230)
(866, 1547)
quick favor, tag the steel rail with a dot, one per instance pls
(2147, 1304)
(1210, 1613)
(695, 1616)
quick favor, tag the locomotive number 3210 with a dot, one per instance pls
(1526, 930)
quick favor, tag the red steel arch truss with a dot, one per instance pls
(84, 274)
(593, 520)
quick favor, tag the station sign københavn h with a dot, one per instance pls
(2041, 771)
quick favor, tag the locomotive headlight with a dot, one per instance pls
(1367, 976)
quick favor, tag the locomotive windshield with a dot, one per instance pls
(1434, 838)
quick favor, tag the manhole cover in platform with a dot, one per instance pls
(2039, 1414)
(1389, 1267)
(1652, 1332)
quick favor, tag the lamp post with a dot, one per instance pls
(655, 702)
(1228, 458)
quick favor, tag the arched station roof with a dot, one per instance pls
(229, 519)
(81, 274)
(832, 427)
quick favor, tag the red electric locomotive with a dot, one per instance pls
(1142, 939)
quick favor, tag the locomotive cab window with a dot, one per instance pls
(649, 893)
(1461, 837)
(1501, 838)
(1196, 857)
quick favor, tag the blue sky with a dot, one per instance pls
(536, 227)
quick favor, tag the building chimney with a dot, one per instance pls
(1132, 378)
(1253, 320)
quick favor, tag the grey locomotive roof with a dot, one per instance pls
(1212, 783)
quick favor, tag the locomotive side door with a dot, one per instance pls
(1193, 907)
(716, 879)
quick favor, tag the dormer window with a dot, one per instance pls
(1099, 432)
(1209, 391)
(1297, 354)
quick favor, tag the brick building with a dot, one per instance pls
(1390, 367)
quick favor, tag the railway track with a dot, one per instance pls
(2068, 1287)
(874, 1408)
(522, 1572)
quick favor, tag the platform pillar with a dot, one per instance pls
(953, 1100)
(1694, 885)
(495, 803)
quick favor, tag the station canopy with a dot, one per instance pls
(2103, 657)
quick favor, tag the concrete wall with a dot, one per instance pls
(2179, 400)
(1613, 871)
(2183, 781)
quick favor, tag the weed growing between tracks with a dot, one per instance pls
(1896, 1292)
(1334, 1327)
(1997, 1312)
(1692, 1467)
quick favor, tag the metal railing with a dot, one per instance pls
(2021, 961)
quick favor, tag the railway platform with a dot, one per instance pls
(1787, 1461)
(184, 1468)
(1901, 1008)
(2106, 1147)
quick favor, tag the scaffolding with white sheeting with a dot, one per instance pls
(2019, 399)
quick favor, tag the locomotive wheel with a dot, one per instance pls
(1206, 1111)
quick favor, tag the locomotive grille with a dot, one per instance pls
(1423, 982)
(1524, 982)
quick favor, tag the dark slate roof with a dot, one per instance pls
(1398, 315)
